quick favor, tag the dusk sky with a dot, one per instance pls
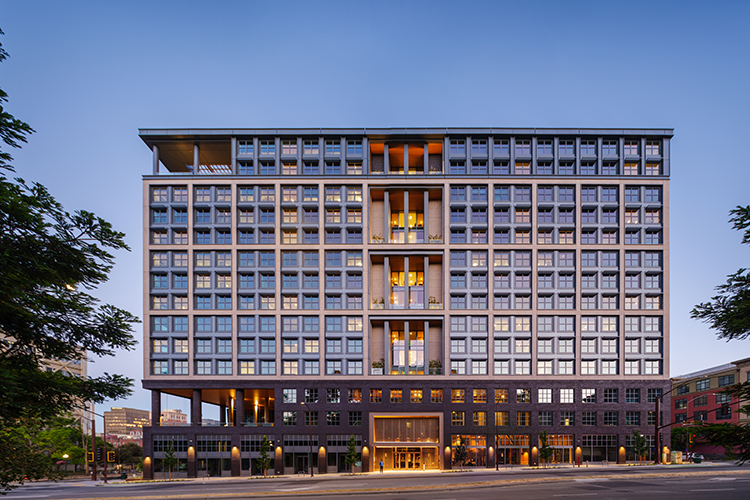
(87, 75)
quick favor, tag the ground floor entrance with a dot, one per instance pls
(407, 458)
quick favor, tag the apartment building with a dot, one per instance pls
(413, 288)
(699, 397)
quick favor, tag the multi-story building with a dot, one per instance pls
(173, 417)
(125, 421)
(411, 287)
(699, 397)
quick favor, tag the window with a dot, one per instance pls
(457, 418)
(611, 417)
(436, 395)
(588, 418)
(396, 395)
(415, 396)
(726, 380)
(376, 395)
(457, 147)
(523, 418)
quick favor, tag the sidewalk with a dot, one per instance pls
(595, 466)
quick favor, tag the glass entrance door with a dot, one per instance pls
(408, 458)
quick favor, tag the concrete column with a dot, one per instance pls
(278, 458)
(236, 460)
(155, 167)
(406, 159)
(387, 216)
(386, 161)
(621, 155)
(196, 415)
(426, 327)
(239, 407)
(192, 460)
(599, 162)
(234, 156)
(387, 348)
(534, 156)
(577, 150)
(426, 285)
(426, 159)
(387, 278)
(407, 230)
(556, 155)
(365, 156)
(407, 294)
(196, 157)
(155, 407)
(425, 226)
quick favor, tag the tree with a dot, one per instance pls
(728, 314)
(545, 450)
(263, 460)
(460, 454)
(49, 260)
(352, 457)
(169, 460)
(640, 445)
(129, 453)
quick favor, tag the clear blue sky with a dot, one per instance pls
(87, 75)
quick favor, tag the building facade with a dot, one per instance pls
(411, 287)
(126, 421)
(699, 397)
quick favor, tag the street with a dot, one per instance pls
(689, 481)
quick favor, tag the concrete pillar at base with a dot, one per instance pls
(196, 410)
(236, 461)
(192, 463)
(278, 460)
(239, 407)
(366, 465)
(491, 455)
(621, 455)
(148, 468)
(322, 461)
(155, 407)
(447, 462)
(579, 456)
(534, 458)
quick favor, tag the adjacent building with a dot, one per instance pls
(411, 287)
(699, 397)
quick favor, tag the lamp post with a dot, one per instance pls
(309, 421)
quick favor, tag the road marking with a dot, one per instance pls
(725, 479)
(11, 495)
(592, 479)
(578, 495)
(717, 489)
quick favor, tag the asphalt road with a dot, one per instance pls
(725, 482)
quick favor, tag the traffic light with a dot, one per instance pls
(110, 456)
(90, 456)
(692, 438)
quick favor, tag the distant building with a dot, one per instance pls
(173, 417)
(697, 398)
(123, 421)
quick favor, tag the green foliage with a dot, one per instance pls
(640, 444)
(734, 438)
(129, 453)
(679, 437)
(352, 457)
(460, 454)
(49, 259)
(729, 312)
(545, 450)
(170, 460)
(263, 459)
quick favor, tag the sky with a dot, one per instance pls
(86, 75)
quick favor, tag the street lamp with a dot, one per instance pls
(309, 420)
